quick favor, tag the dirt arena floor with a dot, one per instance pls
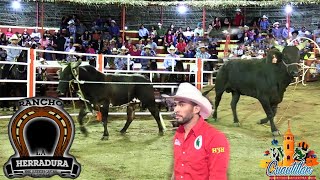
(142, 154)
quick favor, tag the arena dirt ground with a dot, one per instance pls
(142, 154)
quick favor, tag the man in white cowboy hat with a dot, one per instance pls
(202, 52)
(12, 55)
(147, 51)
(276, 32)
(170, 60)
(121, 62)
(200, 150)
(264, 24)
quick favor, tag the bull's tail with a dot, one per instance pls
(207, 92)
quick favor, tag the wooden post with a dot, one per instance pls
(37, 9)
(203, 19)
(161, 14)
(199, 73)
(42, 19)
(100, 63)
(123, 22)
(31, 70)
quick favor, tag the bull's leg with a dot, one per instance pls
(234, 101)
(130, 117)
(216, 104)
(274, 110)
(104, 112)
(270, 115)
(155, 113)
(82, 114)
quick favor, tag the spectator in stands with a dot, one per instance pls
(90, 50)
(172, 28)
(80, 30)
(72, 29)
(9, 33)
(181, 46)
(168, 39)
(154, 34)
(110, 60)
(70, 48)
(276, 32)
(143, 33)
(285, 32)
(3, 55)
(36, 35)
(3, 39)
(135, 52)
(238, 19)
(99, 23)
(145, 63)
(316, 32)
(47, 33)
(140, 45)
(303, 32)
(114, 30)
(64, 22)
(160, 31)
(226, 23)
(106, 35)
(199, 30)
(120, 42)
(188, 33)
(121, 63)
(113, 44)
(86, 38)
(49, 56)
(152, 44)
(170, 59)
(59, 45)
(190, 50)
(25, 35)
(216, 24)
(12, 55)
(202, 53)
(264, 24)
(44, 41)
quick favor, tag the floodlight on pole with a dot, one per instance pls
(182, 9)
(288, 9)
(16, 5)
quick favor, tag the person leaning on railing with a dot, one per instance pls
(12, 55)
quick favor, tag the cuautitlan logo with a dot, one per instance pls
(41, 133)
(288, 161)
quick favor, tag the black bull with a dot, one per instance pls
(262, 79)
(102, 95)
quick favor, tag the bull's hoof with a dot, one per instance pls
(161, 133)
(262, 121)
(237, 124)
(214, 119)
(123, 132)
(104, 138)
(276, 133)
(84, 130)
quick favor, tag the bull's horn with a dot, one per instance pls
(63, 64)
(302, 45)
(75, 64)
(277, 46)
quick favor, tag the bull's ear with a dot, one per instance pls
(75, 64)
(302, 45)
(63, 64)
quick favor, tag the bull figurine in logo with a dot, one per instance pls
(265, 79)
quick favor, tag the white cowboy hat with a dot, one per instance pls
(123, 48)
(203, 46)
(41, 59)
(71, 21)
(114, 49)
(113, 21)
(189, 92)
(147, 46)
(159, 24)
(265, 17)
(238, 10)
(276, 23)
(171, 48)
(14, 37)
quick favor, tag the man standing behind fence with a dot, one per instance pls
(200, 150)
(12, 55)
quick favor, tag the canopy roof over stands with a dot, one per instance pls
(195, 3)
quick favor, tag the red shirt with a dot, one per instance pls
(181, 46)
(238, 19)
(203, 155)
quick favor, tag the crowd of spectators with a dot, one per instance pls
(103, 36)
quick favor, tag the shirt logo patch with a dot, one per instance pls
(177, 142)
(198, 142)
(217, 150)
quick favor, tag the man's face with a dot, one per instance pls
(185, 111)
(14, 41)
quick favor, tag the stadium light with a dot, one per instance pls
(182, 9)
(288, 9)
(16, 5)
